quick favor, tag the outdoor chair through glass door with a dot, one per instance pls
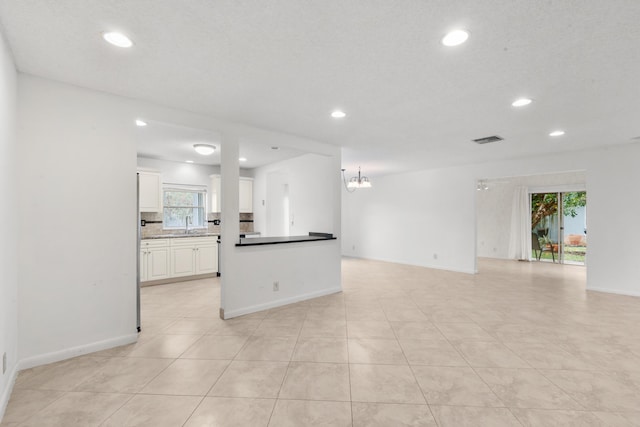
(558, 224)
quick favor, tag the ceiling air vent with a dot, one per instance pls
(488, 139)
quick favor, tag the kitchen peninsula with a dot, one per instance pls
(258, 241)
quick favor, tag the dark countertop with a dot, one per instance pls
(178, 236)
(257, 241)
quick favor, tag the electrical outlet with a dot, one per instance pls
(4, 363)
(353, 248)
(435, 256)
(276, 286)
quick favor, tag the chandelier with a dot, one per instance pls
(355, 182)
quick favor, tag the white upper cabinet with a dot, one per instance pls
(245, 190)
(150, 196)
(214, 197)
(246, 195)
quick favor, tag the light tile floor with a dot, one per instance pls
(520, 344)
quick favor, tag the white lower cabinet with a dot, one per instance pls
(198, 255)
(168, 258)
(154, 260)
(182, 261)
(206, 257)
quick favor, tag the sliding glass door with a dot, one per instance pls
(558, 227)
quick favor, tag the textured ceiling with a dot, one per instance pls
(411, 102)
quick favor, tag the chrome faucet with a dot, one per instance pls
(187, 220)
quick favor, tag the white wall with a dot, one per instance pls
(303, 270)
(408, 217)
(495, 204)
(311, 195)
(185, 173)
(420, 218)
(9, 218)
(77, 225)
(77, 221)
(612, 221)
(180, 172)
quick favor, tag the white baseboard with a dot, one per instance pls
(80, 350)
(615, 291)
(228, 314)
(6, 393)
(427, 265)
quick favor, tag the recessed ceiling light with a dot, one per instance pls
(204, 149)
(557, 133)
(521, 102)
(117, 39)
(455, 38)
(243, 159)
(189, 161)
(140, 123)
(337, 114)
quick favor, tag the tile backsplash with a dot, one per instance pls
(153, 223)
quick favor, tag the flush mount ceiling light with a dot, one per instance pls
(557, 133)
(355, 182)
(455, 38)
(521, 102)
(338, 114)
(117, 39)
(188, 161)
(204, 149)
(242, 159)
(140, 123)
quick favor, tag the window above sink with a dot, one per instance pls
(184, 207)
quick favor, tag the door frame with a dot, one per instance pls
(559, 189)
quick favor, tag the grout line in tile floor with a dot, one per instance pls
(346, 329)
(366, 298)
(395, 333)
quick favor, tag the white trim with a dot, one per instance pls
(564, 188)
(435, 267)
(80, 350)
(615, 291)
(193, 188)
(6, 394)
(280, 302)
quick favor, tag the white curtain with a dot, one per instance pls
(520, 237)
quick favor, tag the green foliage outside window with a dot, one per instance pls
(180, 204)
(546, 204)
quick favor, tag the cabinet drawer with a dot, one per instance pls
(154, 243)
(193, 241)
(207, 241)
(184, 241)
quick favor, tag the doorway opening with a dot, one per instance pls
(559, 227)
(279, 211)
